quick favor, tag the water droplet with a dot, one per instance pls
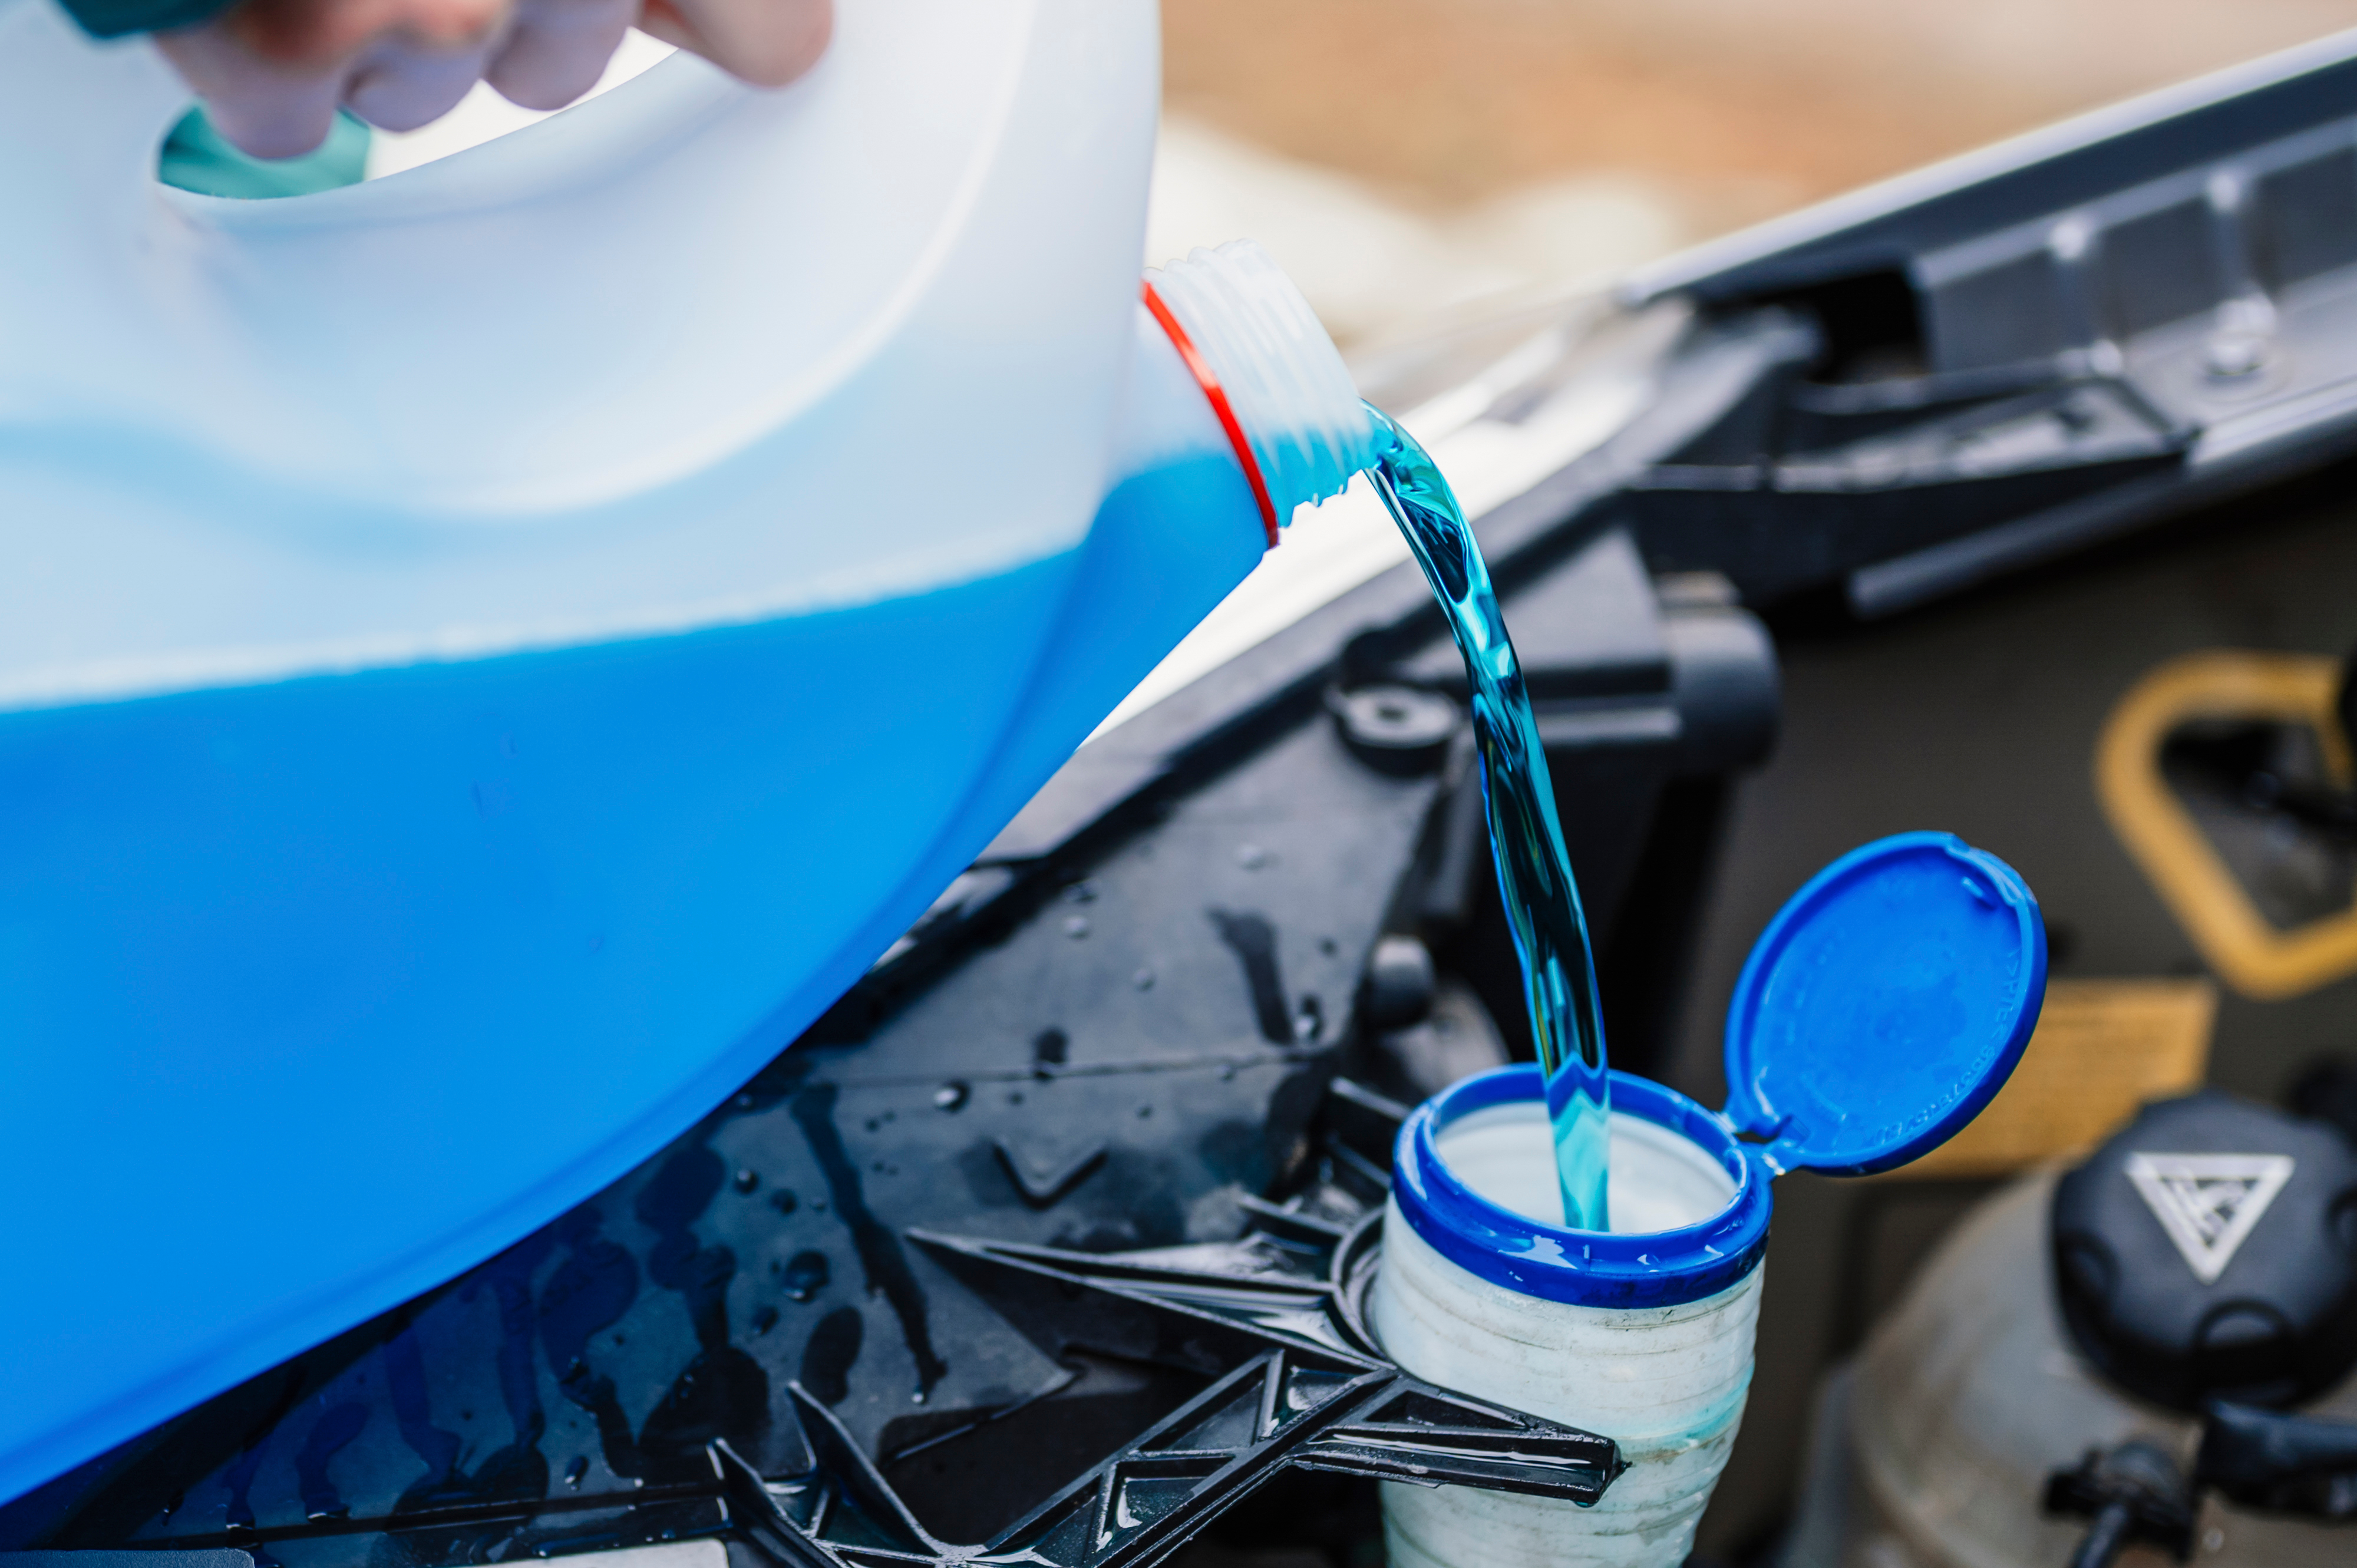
(1227, 1072)
(575, 1468)
(1081, 893)
(784, 1201)
(764, 1320)
(951, 1096)
(1143, 980)
(1250, 857)
(805, 1275)
(746, 1180)
(917, 1398)
(744, 1102)
(1076, 926)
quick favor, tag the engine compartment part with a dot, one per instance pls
(1973, 1389)
(2209, 1251)
(2288, 1464)
(2133, 1495)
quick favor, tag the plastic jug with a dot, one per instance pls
(486, 656)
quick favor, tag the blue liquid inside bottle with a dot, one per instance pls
(1535, 879)
(404, 959)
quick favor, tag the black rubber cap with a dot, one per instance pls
(2209, 1251)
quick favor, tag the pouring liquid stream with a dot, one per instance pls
(1534, 881)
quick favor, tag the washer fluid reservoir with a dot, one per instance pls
(1883, 1006)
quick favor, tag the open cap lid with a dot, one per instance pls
(1884, 1006)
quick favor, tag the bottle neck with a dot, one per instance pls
(1274, 376)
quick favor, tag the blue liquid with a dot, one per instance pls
(376, 972)
(1526, 838)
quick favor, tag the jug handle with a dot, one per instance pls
(80, 125)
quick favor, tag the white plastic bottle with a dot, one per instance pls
(487, 655)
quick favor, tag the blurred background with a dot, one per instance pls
(1407, 158)
(1413, 162)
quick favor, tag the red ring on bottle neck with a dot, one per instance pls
(1217, 394)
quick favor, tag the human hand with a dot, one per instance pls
(274, 72)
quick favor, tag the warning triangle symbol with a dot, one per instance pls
(2208, 1203)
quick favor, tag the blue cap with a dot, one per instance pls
(1586, 1268)
(1885, 1005)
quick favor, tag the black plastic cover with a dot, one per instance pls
(2209, 1250)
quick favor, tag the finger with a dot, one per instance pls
(263, 108)
(400, 85)
(271, 72)
(557, 49)
(766, 42)
(334, 34)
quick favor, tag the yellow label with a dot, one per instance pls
(2103, 1048)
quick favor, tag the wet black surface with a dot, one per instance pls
(1124, 1044)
